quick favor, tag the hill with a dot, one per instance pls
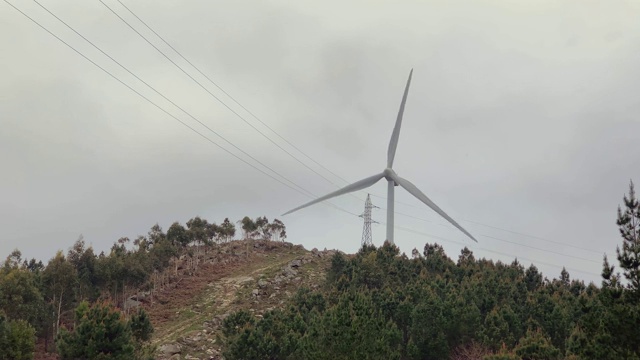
(189, 313)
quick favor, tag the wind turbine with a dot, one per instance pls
(393, 180)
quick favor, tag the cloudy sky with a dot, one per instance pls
(522, 116)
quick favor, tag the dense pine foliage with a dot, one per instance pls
(379, 304)
(102, 332)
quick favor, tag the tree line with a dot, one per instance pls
(379, 304)
(77, 291)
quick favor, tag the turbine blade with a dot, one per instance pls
(413, 190)
(358, 185)
(393, 144)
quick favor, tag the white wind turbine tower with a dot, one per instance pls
(393, 180)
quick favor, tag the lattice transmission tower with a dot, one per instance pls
(366, 230)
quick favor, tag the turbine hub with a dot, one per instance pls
(388, 172)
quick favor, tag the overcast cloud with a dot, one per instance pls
(521, 116)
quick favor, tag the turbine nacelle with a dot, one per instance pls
(392, 178)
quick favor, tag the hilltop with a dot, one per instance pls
(187, 314)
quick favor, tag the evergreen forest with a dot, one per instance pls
(379, 304)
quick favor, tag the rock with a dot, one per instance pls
(297, 279)
(195, 339)
(170, 349)
(142, 296)
(272, 296)
(255, 292)
(131, 303)
(262, 283)
(289, 272)
(295, 263)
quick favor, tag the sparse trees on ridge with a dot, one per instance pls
(278, 230)
(262, 229)
(248, 227)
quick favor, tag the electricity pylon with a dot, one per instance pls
(366, 230)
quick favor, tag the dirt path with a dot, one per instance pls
(211, 292)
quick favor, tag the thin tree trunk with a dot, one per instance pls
(46, 340)
(59, 311)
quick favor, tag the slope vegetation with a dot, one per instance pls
(256, 276)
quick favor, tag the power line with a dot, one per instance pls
(503, 240)
(308, 193)
(163, 96)
(163, 110)
(493, 227)
(494, 252)
(540, 249)
(213, 95)
(535, 237)
(229, 95)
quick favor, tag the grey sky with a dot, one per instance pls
(522, 116)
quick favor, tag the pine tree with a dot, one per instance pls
(629, 224)
(536, 345)
(17, 339)
(141, 327)
(101, 332)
